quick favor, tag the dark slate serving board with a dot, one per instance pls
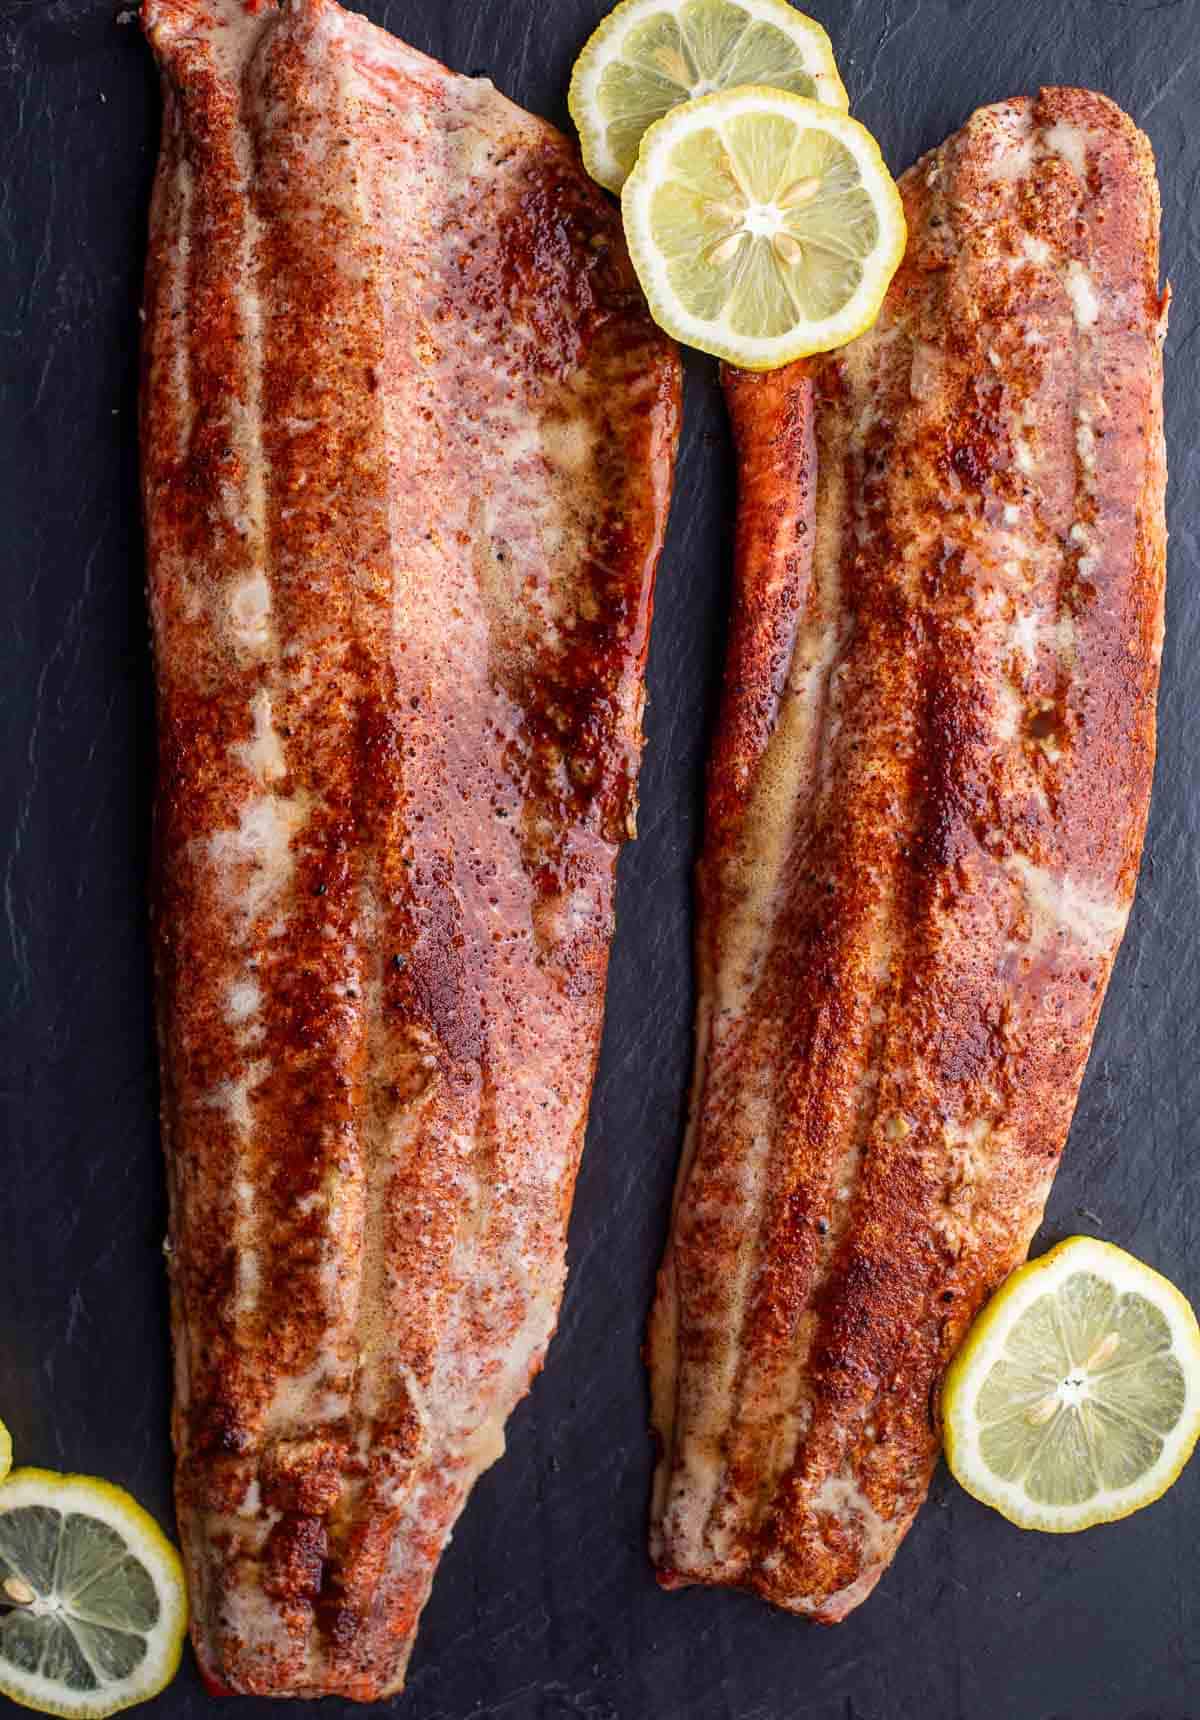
(545, 1608)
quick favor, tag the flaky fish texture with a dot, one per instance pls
(408, 436)
(926, 807)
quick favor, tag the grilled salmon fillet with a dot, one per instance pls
(408, 436)
(925, 815)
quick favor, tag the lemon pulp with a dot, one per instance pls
(1076, 1397)
(92, 1600)
(650, 56)
(762, 225)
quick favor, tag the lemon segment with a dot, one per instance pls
(1075, 1399)
(762, 226)
(650, 56)
(92, 1601)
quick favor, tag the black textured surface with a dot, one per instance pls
(544, 1608)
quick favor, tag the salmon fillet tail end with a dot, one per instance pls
(926, 805)
(408, 436)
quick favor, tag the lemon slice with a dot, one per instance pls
(92, 1601)
(5, 1451)
(762, 226)
(1076, 1397)
(649, 56)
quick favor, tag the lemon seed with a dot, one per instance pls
(1105, 1350)
(798, 193)
(1043, 1410)
(724, 211)
(724, 249)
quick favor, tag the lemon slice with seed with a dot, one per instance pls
(649, 56)
(92, 1601)
(762, 226)
(1076, 1397)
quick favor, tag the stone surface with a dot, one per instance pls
(545, 1608)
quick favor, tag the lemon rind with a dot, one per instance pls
(603, 47)
(111, 1505)
(985, 1343)
(766, 352)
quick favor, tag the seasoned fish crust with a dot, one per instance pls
(926, 807)
(408, 436)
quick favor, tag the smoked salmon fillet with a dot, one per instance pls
(926, 806)
(408, 436)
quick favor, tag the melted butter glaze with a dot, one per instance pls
(926, 806)
(408, 435)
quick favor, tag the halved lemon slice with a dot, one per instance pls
(1076, 1397)
(649, 56)
(92, 1601)
(762, 226)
